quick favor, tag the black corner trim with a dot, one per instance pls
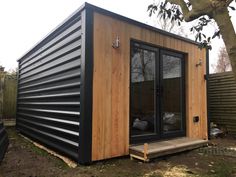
(85, 129)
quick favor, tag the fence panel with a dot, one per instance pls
(8, 88)
(222, 100)
(1, 94)
(9, 96)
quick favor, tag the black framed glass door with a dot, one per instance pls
(172, 74)
(144, 92)
(156, 93)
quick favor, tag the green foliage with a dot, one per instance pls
(223, 169)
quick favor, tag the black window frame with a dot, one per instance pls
(159, 135)
(181, 132)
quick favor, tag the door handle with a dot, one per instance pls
(157, 91)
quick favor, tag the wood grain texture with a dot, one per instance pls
(167, 147)
(111, 82)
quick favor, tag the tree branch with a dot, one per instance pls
(199, 8)
(228, 2)
(182, 4)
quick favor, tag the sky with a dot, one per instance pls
(25, 22)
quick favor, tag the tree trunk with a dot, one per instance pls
(222, 18)
(216, 9)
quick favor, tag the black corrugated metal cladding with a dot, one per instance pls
(3, 141)
(49, 89)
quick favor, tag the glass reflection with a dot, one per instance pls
(171, 95)
(142, 91)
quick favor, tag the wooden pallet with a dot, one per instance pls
(146, 151)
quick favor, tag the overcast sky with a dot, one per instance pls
(25, 22)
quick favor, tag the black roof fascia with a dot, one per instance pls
(105, 12)
(53, 33)
(137, 23)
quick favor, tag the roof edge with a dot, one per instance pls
(54, 30)
(107, 13)
(137, 23)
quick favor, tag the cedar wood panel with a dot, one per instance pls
(111, 82)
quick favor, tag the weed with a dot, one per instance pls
(222, 169)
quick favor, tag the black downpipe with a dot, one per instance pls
(207, 87)
(17, 95)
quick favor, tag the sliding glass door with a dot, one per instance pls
(156, 93)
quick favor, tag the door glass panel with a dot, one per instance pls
(142, 91)
(171, 94)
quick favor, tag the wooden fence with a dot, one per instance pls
(222, 100)
(8, 87)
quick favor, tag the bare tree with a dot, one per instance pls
(142, 65)
(223, 62)
(12, 72)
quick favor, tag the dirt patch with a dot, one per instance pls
(25, 160)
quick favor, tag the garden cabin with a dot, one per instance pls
(101, 86)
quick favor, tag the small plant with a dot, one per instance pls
(222, 169)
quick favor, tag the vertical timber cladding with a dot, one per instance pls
(111, 79)
(49, 86)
